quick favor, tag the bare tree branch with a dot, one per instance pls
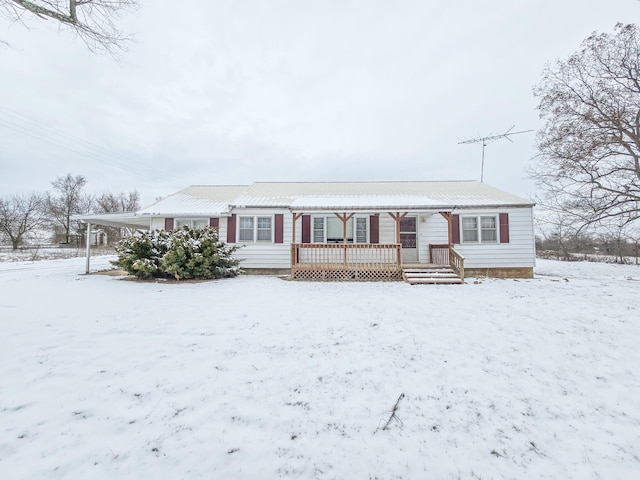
(94, 21)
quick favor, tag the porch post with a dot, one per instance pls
(293, 228)
(294, 218)
(344, 240)
(448, 217)
(344, 218)
(397, 217)
(88, 247)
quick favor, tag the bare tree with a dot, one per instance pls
(558, 234)
(94, 21)
(68, 199)
(109, 202)
(19, 215)
(118, 202)
(588, 164)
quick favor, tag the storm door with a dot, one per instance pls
(409, 239)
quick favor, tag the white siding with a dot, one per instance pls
(432, 229)
(222, 229)
(263, 254)
(157, 223)
(519, 252)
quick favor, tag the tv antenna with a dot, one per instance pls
(489, 139)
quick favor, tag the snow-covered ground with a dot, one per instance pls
(47, 252)
(257, 377)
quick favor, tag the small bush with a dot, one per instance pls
(141, 253)
(184, 254)
(199, 254)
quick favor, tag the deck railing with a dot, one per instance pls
(456, 260)
(439, 254)
(361, 260)
(447, 255)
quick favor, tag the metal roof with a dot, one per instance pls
(196, 200)
(124, 219)
(410, 194)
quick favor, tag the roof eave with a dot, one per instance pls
(394, 208)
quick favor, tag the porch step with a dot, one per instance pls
(430, 275)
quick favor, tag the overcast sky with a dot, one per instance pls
(232, 92)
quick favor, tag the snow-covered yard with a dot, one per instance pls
(257, 377)
(47, 252)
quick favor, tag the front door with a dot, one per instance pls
(409, 239)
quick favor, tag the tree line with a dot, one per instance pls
(607, 246)
(52, 211)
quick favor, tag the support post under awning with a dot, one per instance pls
(88, 246)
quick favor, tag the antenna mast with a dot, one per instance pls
(492, 138)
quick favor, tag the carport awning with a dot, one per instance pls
(123, 220)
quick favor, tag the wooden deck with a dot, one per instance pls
(346, 261)
(364, 261)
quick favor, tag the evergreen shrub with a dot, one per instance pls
(185, 253)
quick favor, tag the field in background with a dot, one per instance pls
(48, 252)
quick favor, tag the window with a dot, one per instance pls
(246, 229)
(264, 229)
(192, 222)
(255, 229)
(335, 232)
(469, 229)
(361, 230)
(318, 230)
(480, 229)
(330, 229)
(489, 230)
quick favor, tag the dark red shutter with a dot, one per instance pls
(455, 229)
(168, 224)
(279, 228)
(214, 223)
(306, 229)
(504, 228)
(374, 229)
(231, 229)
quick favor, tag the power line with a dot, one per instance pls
(490, 139)
(39, 130)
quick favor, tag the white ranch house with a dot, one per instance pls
(355, 230)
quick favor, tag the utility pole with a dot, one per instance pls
(489, 139)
